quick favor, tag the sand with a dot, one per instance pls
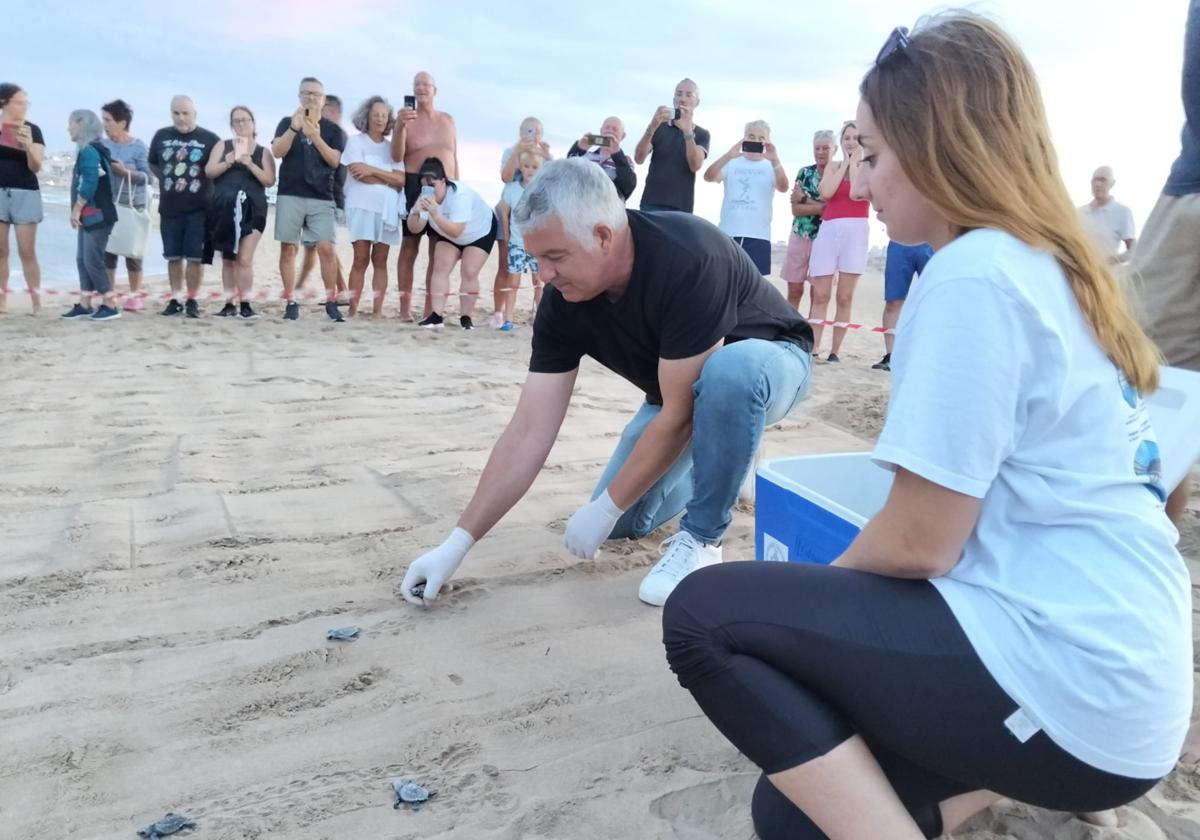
(187, 507)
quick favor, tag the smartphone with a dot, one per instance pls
(529, 133)
(8, 135)
(752, 146)
(678, 113)
(310, 114)
(426, 192)
(410, 102)
(599, 140)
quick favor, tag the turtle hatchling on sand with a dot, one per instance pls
(411, 794)
(170, 824)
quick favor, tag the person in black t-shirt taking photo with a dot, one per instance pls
(311, 148)
(679, 148)
(22, 150)
(604, 150)
(177, 158)
(673, 305)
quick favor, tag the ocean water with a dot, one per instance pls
(56, 248)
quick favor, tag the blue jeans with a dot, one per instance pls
(89, 259)
(743, 388)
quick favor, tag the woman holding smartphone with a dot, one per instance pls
(241, 171)
(752, 174)
(841, 244)
(22, 150)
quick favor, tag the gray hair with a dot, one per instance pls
(363, 114)
(577, 193)
(761, 125)
(824, 134)
(90, 127)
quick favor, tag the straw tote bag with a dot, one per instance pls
(128, 237)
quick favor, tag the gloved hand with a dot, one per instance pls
(590, 525)
(434, 568)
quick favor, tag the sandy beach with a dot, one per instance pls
(188, 507)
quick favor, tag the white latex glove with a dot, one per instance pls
(434, 568)
(590, 525)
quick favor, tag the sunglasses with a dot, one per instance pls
(897, 42)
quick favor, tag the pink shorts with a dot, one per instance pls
(795, 264)
(840, 247)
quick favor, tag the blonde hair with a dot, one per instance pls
(960, 105)
(760, 125)
(530, 156)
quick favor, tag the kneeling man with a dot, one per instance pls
(673, 305)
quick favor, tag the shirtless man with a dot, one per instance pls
(420, 133)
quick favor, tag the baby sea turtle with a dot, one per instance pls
(418, 591)
(342, 634)
(170, 824)
(411, 794)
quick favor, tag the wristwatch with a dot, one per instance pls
(691, 135)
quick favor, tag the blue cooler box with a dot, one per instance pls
(809, 508)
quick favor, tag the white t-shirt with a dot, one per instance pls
(361, 149)
(512, 193)
(1109, 225)
(463, 204)
(1069, 588)
(749, 194)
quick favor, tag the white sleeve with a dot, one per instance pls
(1127, 227)
(459, 209)
(964, 355)
(353, 152)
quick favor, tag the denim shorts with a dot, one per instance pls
(521, 261)
(183, 236)
(20, 207)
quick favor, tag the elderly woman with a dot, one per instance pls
(131, 171)
(93, 214)
(21, 152)
(372, 201)
(241, 170)
(752, 174)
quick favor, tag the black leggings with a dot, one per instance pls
(789, 660)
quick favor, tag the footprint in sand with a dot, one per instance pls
(717, 810)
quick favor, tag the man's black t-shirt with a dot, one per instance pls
(178, 161)
(15, 173)
(691, 287)
(671, 181)
(304, 172)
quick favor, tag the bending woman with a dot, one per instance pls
(1016, 620)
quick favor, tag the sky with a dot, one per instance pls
(1109, 70)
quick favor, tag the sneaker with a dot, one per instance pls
(496, 322)
(507, 326)
(106, 313)
(173, 308)
(682, 554)
(228, 310)
(191, 309)
(883, 364)
(331, 309)
(292, 311)
(78, 311)
(247, 313)
(832, 358)
(466, 323)
(134, 303)
(433, 321)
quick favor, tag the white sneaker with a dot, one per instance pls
(682, 554)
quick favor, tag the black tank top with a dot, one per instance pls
(238, 177)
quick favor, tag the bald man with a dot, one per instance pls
(604, 149)
(420, 133)
(1109, 221)
(677, 148)
(177, 157)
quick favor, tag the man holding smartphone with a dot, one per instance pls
(311, 148)
(604, 149)
(679, 148)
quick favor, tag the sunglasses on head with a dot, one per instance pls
(897, 42)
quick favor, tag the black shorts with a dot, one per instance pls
(412, 191)
(483, 243)
(185, 237)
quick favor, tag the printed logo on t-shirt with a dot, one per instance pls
(181, 171)
(1147, 462)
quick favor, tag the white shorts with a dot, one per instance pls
(368, 225)
(840, 246)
